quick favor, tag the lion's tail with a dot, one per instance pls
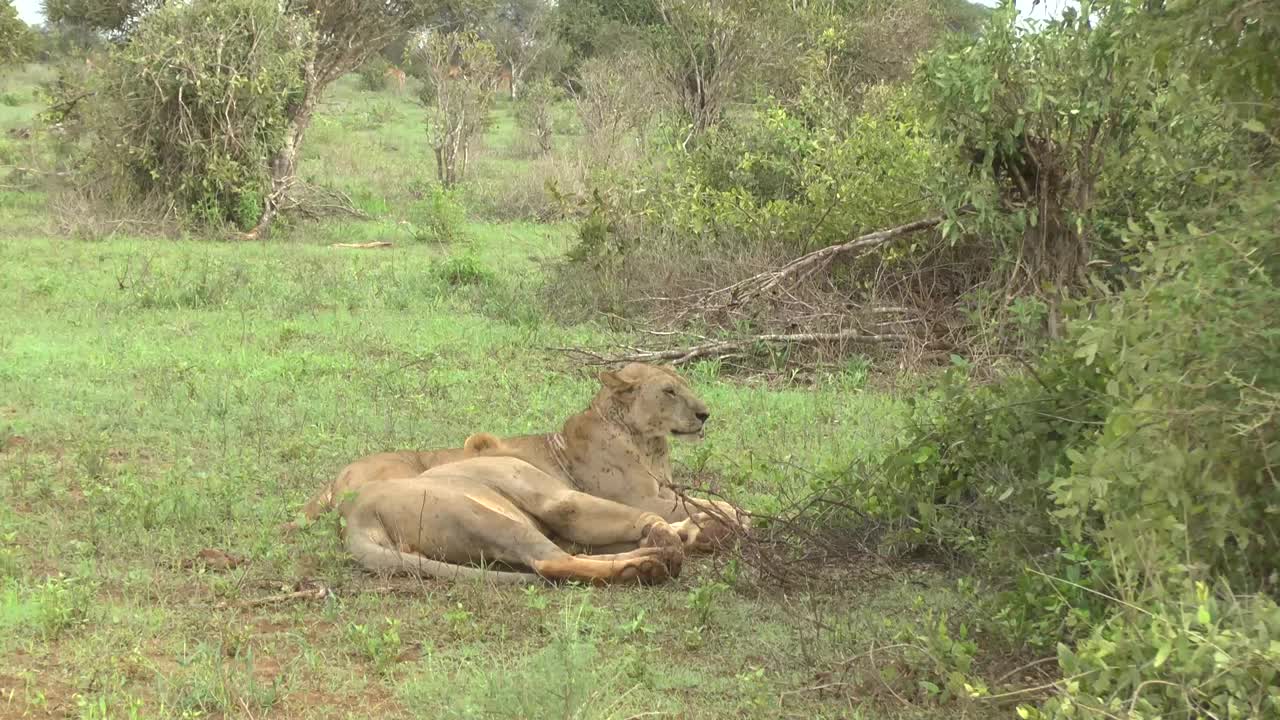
(319, 503)
(378, 557)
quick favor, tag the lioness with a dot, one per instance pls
(616, 449)
(503, 509)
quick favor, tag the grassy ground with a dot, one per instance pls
(159, 397)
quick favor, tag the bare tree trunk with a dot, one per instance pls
(283, 166)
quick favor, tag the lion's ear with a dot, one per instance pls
(613, 381)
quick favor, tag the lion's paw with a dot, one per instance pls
(663, 537)
(704, 533)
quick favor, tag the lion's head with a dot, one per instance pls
(653, 401)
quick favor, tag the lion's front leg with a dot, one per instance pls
(676, 509)
(589, 520)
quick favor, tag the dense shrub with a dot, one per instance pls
(1122, 487)
(191, 108)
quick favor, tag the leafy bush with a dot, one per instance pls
(17, 41)
(1206, 656)
(465, 269)
(806, 178)
(373, 73)
(1122, 487)
(767, 184)
(192, 106)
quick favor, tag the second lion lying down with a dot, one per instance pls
(502, 509)
(543, 502)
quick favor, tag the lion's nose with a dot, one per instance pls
(702, 416)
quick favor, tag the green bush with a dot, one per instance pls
(190, 109)
(1120, 486)
(1206, 656)
(440, 218)
(802, 178)
(373, 74)
(464, 269)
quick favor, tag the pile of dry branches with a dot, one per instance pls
(802, 307)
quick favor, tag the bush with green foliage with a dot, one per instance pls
(441, 218)
(17, 41)
(373, 73)
(1122, 487)
(192, 107)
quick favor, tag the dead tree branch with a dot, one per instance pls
(721, 348)
(318, 592)
(806, 266)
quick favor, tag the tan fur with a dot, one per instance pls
(504, 510)
(616, 449)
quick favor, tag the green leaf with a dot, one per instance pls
(1255, 126)
(1162, 654)
(1202, 615)
(1088, 351)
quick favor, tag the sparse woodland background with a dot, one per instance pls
(1083, 301)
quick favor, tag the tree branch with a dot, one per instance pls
(720, 348)
(807, 266)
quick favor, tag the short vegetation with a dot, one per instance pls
(1015, 456)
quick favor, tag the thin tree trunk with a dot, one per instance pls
(283, 165)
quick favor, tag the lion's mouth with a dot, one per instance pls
(699, 434)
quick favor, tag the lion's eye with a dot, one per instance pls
(671, 391)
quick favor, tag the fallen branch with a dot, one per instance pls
(363, 246)
(319, 592)
(720, 348)
(807, 266)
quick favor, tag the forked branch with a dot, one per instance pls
(806, 266)
(721, 348)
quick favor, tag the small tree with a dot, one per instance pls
(519, 32)
(705, 51)
(614, 97)
(460, 72)
(535, 112)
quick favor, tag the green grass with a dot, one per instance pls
(158, 397)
